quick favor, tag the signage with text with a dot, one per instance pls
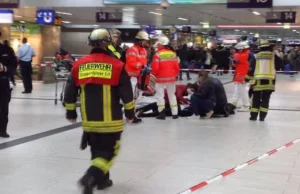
(141, 2)
(6, 16)
(45, 16)
(109, 17)
(9, 3)
(249, 4)
(282, 17)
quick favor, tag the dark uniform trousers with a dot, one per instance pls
(5, 96)
(26, 72)
(260, 103)
(104, 148)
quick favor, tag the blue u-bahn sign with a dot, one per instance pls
(45, 16)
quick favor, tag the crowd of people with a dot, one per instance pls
(109, 75)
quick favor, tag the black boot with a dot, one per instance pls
(162, 115)
(253, 116)
(4, 134)
(88, 182)
(136, 120)
(175, 117)
(105, 183)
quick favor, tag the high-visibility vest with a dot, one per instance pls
(114, 51)
(265, 66)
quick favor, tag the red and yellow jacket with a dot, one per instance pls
(165, 66)
(136, 58)
(101, 81)
(241, 67)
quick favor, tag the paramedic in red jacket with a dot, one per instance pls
(165, 68)
(241, 63)
(136, 58)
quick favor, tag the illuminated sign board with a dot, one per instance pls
(141, 2)
(9, 3)
(6, 16)
(44, 16)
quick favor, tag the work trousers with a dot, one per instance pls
(260, 104)
(104, 148)
(160, 95)
(26, 72)
(137, 93)
(241, 93)
(201, 106)
(5, 96)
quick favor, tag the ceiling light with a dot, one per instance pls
(245, 31)
(66, 22)
(184, 19)
(17, 16)
(204, 23)
(63, 13)
(236, 30)
(251, 33)
(255, 13)
(128, 9)
(279, 23)
(155, 13)
(22, 22)
(96, 25)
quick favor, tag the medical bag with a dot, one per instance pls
(146, 81)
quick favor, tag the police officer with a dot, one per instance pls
(101, 81)
(114, 48)
(8, 64)
(262, 75)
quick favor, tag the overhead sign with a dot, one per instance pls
(9, 3)
(282, 17)
(6, 16)
(249, 4)
(45, 16)
(150, 29)
(109, 17)
(141, 2)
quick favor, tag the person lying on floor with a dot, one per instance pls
(182, 100)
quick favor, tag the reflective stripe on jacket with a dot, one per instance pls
(265, 66)
(165, 66)
(102, 82)
(136, 58)
(114, 51)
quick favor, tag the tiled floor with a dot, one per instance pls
(161, 157)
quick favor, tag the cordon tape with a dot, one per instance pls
(237, 168)
(229, 70)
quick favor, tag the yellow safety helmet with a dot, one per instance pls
(99, 36)
(142, 35)
(264, 43)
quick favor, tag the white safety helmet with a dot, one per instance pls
(162, 40)
(264, 43)
(98, 36)
(241, 46)
(142, 35)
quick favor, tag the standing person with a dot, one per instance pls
(8, 65)
(136, 59)
(263, 73)
(114, 48)
(241, 63)
(165, 68)
(101, 81)
(25, 55)
(8, 47)
(183, 54)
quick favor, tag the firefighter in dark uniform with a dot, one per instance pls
(102, 82)
(8, 65)
(262, 75)
(114, 48)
